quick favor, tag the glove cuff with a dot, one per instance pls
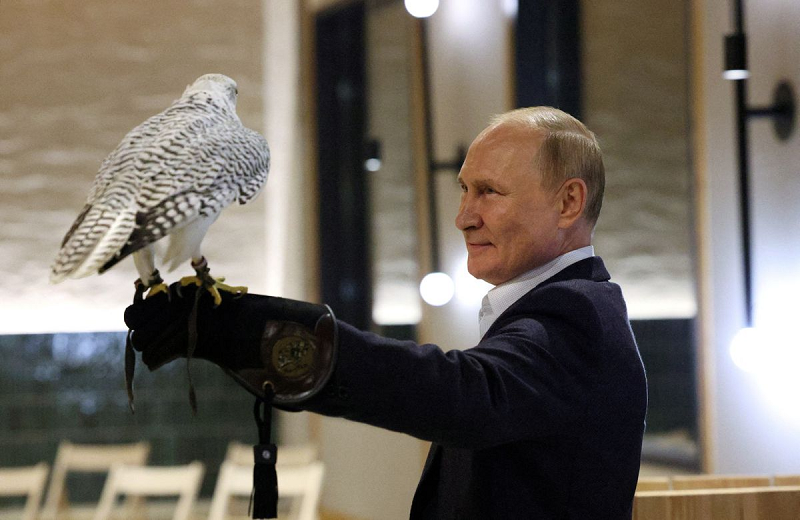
(296, 360)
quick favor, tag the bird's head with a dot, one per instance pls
(218, 83)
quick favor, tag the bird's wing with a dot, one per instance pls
(118, 161)
(125, 154)
(215, 165)
(252, 163)
(107, 218)
(193, 147)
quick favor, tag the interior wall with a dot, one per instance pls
(636, 99)
(393, 217)
(753, 418)
(372, 473)
(76, 77)
(469, 76)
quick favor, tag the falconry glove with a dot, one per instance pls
(282, 351)
(269, 345)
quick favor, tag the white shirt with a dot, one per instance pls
(500, 298)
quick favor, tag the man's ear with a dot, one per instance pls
(572, 200)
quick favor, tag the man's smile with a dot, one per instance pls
(478, 246)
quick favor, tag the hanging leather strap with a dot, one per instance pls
(191, 345)
(130, 367)
(264, 499)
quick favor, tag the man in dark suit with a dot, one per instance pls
(544, 417)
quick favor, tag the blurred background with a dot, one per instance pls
(368, 111)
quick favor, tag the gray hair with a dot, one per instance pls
(569, 150)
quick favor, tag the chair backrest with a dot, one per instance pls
(760, 503)
(787, 480)
(652, 484)
(87, 458)
(239, 453)
(181, 481)
(303, 482)
(684, 482)
(26, 481)
(288, 455)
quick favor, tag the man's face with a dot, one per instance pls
(509, 221)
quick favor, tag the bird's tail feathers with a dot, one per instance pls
(157, 222)
(91, 242)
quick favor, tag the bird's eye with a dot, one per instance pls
(236, 91)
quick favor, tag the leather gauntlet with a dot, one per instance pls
(296, 360)
(258, 340)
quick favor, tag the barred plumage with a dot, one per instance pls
(171, 176)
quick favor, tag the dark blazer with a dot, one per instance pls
(543, 419)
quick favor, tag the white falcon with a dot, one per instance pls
(170, 177)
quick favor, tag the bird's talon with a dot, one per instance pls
(213, 286)
(191, 280)
(158, 288)
(215, 294)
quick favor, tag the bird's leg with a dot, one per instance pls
(149, 277)
(154, 285)
(141, 288)
(211, 284)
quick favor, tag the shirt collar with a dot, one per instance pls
(503, 296)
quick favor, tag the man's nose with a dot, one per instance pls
(467, 217)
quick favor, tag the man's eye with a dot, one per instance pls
(463, 188)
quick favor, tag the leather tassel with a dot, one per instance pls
(264, 500)
(265, 482)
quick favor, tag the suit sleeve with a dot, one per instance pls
(509, 387)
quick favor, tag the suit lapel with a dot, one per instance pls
(591, 268)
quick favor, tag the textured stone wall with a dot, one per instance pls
(636, 99)
(395, 269)
(76, 76)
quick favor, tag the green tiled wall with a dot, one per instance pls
(667, 349)
(71, 386)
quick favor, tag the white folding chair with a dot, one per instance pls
(162, 481)
(301, 482)
(239, 453)
(87, 458)
(25, 481)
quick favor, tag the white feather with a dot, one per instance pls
(184, 243)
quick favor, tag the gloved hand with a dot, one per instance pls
(258, 340)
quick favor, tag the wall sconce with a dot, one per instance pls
(372, 155)
(735, 57)
(782, 113)
(421, 8)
